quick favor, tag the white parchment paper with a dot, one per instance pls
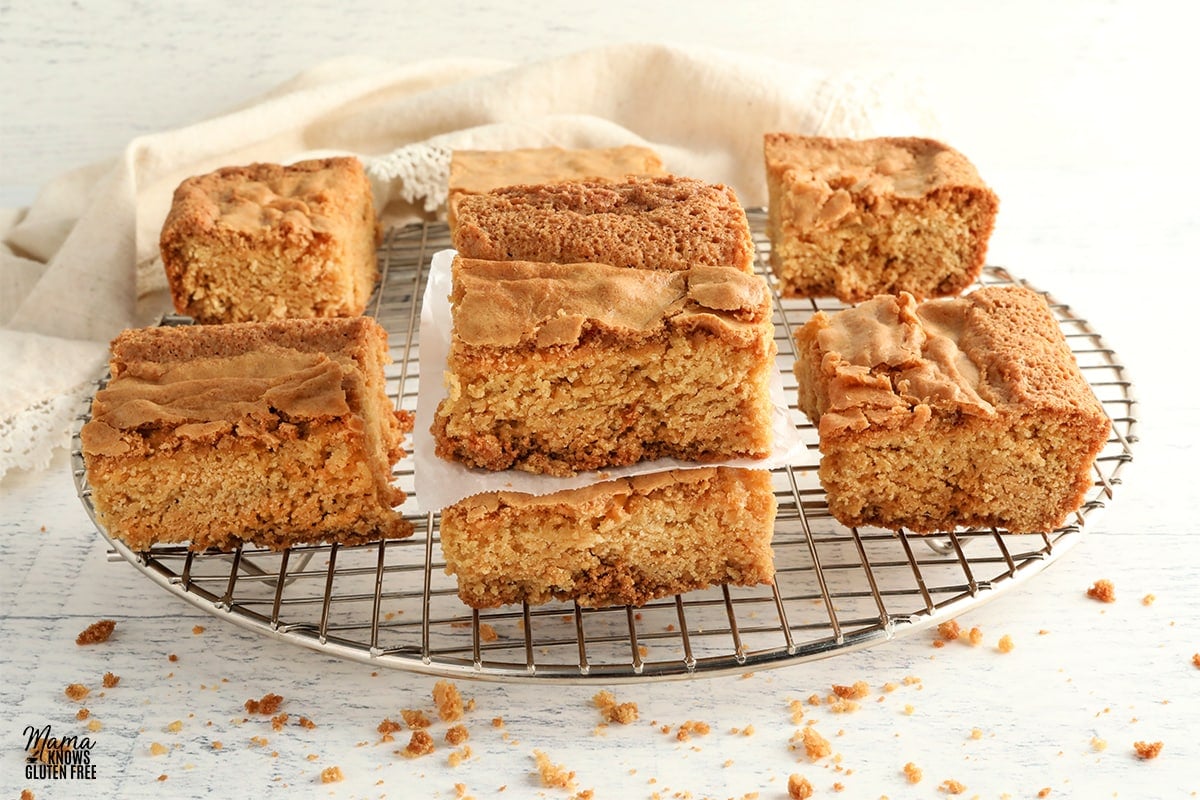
(440, 483)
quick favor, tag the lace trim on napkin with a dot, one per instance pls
(29, 438)
(415, 172)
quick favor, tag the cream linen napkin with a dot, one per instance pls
(82, 262)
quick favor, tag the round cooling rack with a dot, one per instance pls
(390, 603)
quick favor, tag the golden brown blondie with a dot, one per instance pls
(967, 411)
(620, 542)
(273, 433)
(856, 218)
(559, 368)
(266, 241)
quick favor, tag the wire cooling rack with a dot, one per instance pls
(836, 589)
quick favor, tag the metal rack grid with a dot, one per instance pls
(836, 589)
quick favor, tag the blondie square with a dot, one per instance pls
(621, 542)
(967, 411)
(856, 218)
(561, 368)
(266, 241)
(273, 433)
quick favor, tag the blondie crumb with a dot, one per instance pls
(387, 728)
(1005, 645)
(1147, 750)
(110, 680)
(96, 633)
(332, 775)
(949, 630)
(553, 775)
(449, 701)
(857, 691)
(414, 718)
(457, 734)
(1103, 591)
(799, 788)
(612, 711)
(1196, 660)
(816, 746)
(913, 773)
(268, 705)
(975, 637)
(951, 786)
(77, 691)
(421, 744)
(692, 726)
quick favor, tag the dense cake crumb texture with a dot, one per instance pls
(270, 241)
(613, 543)
(274, 433)
(955, 412)
(855, 218)
(561, 368)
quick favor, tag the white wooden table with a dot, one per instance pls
(1069, 115)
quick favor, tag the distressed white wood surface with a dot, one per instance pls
(1071, 112)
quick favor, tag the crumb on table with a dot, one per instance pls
(457, 734)
(269, 704)
(449, 701)
(421, 744)
(415, 718)
(857, 691)
(816, 746)
(692, 726)
(612, 711)
(1147, 750)
(77, 691)
(799, 788)
(388, 727)
(951, 786)
(553, 775)
(949, 630)
(331, 775)
(1005, 645)
(110, 680)
(96, 633)
(913, 773)
(1103, 591)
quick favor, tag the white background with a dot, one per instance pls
(1077, 113)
